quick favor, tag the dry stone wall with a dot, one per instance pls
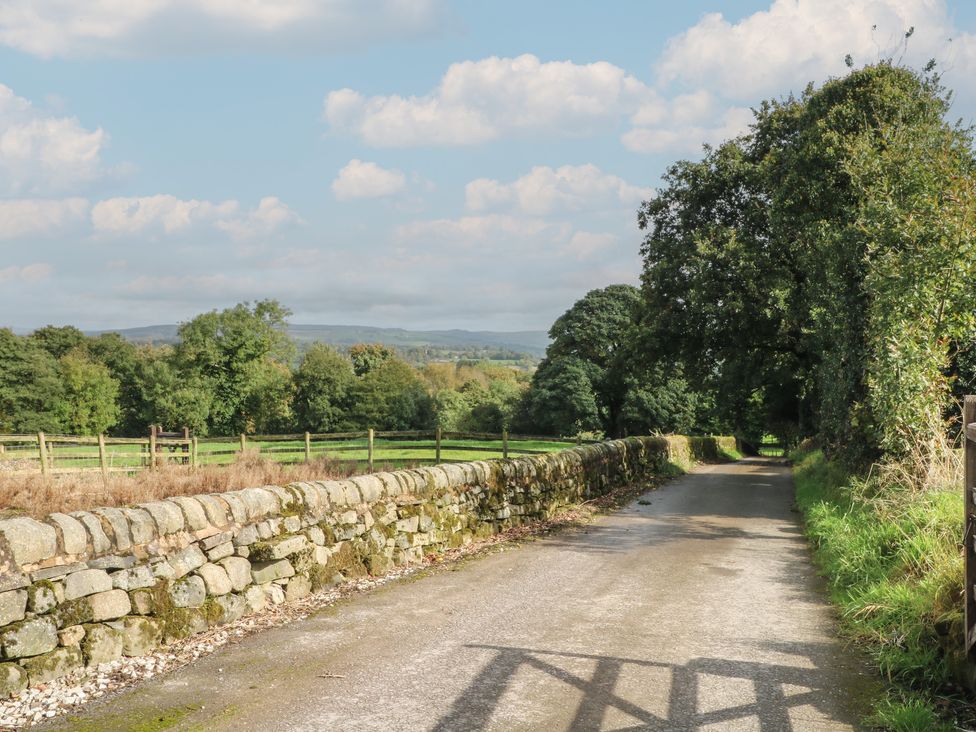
(81, 589)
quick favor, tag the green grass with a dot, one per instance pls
(892, 560)
(385, 451)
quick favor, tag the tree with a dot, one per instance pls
(812, 268)
(171, 397)
(232, 351)
(89, 406)
(391, 396)
(59, 341)
(595, 355)
(367, 356)
(322, 385)
(30, 386)
(124, 361)
(561, 399)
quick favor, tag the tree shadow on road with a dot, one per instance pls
(714, 692)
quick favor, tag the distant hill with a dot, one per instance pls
(532, 342)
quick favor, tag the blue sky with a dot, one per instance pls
(411, 163)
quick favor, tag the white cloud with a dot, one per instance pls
(544, 190)
(167, 214)
(41, 152)
(675, 138)
(27, 217)
(147, 27)
(360, 179)
(270, 216)
(798, 41)
(28, 273)
(586, 244)
(478, 101)
(473, 231)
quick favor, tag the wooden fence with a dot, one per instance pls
(969, 535)
(58, 454)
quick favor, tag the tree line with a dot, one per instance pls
(237, 370)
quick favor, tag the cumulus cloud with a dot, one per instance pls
(27, 217)
(42, 152)
(166, 214)
(586, 244)
(50, 28)
(478, 101)
(544, 190)
(674, 137)
(269, 217)
(471, 231)
(28, 273)
(360, 179)
(798, 41)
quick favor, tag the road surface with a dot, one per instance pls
(694, 608)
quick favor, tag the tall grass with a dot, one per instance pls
(891, 553)
(38, 495)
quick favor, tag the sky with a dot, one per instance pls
(396, 163)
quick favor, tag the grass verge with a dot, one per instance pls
(892, 558)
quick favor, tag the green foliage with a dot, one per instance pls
(595, 377)
(390, 396)
(90, 402)
(367, 356)
(169, 397)
(31, 389)
(58, 340)
(322, 384)
(908, 713)
(891, 558)
(561, 400)
(811, 272)
(232, 351)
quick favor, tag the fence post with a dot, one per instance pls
(193, 453)
(369, 451)
(579, 439)
(505, 444)
(437, 447)
(969, 540)
(152, 448)
(42, 448)
(308, 447)
(101, 457)
(243, 443)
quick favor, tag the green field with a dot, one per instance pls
(386, 451)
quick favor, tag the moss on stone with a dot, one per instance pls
(177, 622)
(212, 611)
(259, 551)
(303, 561)
(73, 612)
(329, 531)
(347, 561)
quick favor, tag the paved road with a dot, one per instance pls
(696, 611)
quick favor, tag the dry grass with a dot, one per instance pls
(32, 494)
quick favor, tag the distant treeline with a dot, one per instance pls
(237, 370)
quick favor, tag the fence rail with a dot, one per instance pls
(53, 454)
(969, 535)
